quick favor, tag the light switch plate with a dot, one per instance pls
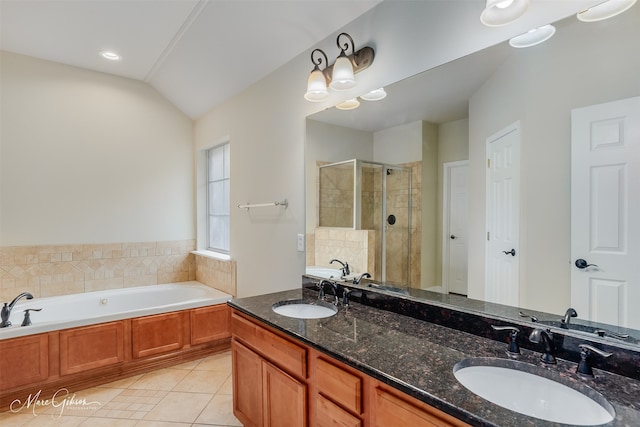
(300, 242)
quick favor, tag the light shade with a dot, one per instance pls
(349, 104)
(605, 10)
(503, 12)
(342, 78)
(374, 95)
(533, 37)
(316, 87)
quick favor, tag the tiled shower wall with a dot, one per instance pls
(65, 269)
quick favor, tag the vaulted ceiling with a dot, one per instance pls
(197, 53)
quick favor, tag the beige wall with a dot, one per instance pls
(90, 158)
(540, 88)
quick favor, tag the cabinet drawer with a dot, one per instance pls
(342, 386)
(331, 415)
(91, 347)
(290, 357)
(210, 324)
(391, 409)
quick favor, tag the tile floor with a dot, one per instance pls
(197, 393)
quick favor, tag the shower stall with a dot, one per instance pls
(365, 195)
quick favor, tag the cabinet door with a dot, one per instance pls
(284, 399)
(91, 347)
(24, 361)
(390, 409)
(210, 324)
(247, 385)
(156, 334)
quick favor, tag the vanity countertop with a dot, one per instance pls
(417, 357)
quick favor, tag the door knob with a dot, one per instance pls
(512, 252)
(453, 237)
(582, 264)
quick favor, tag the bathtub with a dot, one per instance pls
(324, 272)
(68, 311)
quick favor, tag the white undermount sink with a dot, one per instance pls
(304, 309)
(509, 383)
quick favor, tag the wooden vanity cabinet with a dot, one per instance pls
(271, 387)
(269, 377)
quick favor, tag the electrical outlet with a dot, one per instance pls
(300, 242)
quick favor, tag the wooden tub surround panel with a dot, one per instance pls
(87, 356)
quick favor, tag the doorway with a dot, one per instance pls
(455, 202)
(503, 217)
(605, 231)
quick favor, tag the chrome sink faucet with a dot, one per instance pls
(6, 309)
(568, 315)
(357, 279)
(540, 336)
(345, 266)
(332, 286)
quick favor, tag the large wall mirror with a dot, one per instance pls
(423, 155)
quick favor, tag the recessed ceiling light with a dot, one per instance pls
(349, 104)
(533, 37)
(374, 95)
(112, 56)
(605, 10)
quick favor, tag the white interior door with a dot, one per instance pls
(503, 217)
(605, 212)
(455, 215)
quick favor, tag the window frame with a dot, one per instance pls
(226, 176)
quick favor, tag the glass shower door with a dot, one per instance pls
(396, 228)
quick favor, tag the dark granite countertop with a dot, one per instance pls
(417, 357)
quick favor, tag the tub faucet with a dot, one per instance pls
(356, 280)
(6, 309)
(345, 266)
(567, 317)
(540, 336)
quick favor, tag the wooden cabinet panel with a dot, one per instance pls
(290, 357)
(328, 414)
(247, 385)
(210, 324)
(391, 409)
(284, 399)
(91, 347)
(24, 361)
(341, 386)
(156, 334)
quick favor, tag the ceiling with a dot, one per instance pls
(197, 53)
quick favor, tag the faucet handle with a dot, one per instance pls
(514, 349)
(27, 316)
(584, 368)
(345, 297)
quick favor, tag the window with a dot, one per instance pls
(218, 198)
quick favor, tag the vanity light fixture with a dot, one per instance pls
(349, 104)
(605, 10)
(533, 37)
(111, 56)
(503, 12)
(339, 76)
(374, 95)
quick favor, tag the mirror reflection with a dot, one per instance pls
(466, 236)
